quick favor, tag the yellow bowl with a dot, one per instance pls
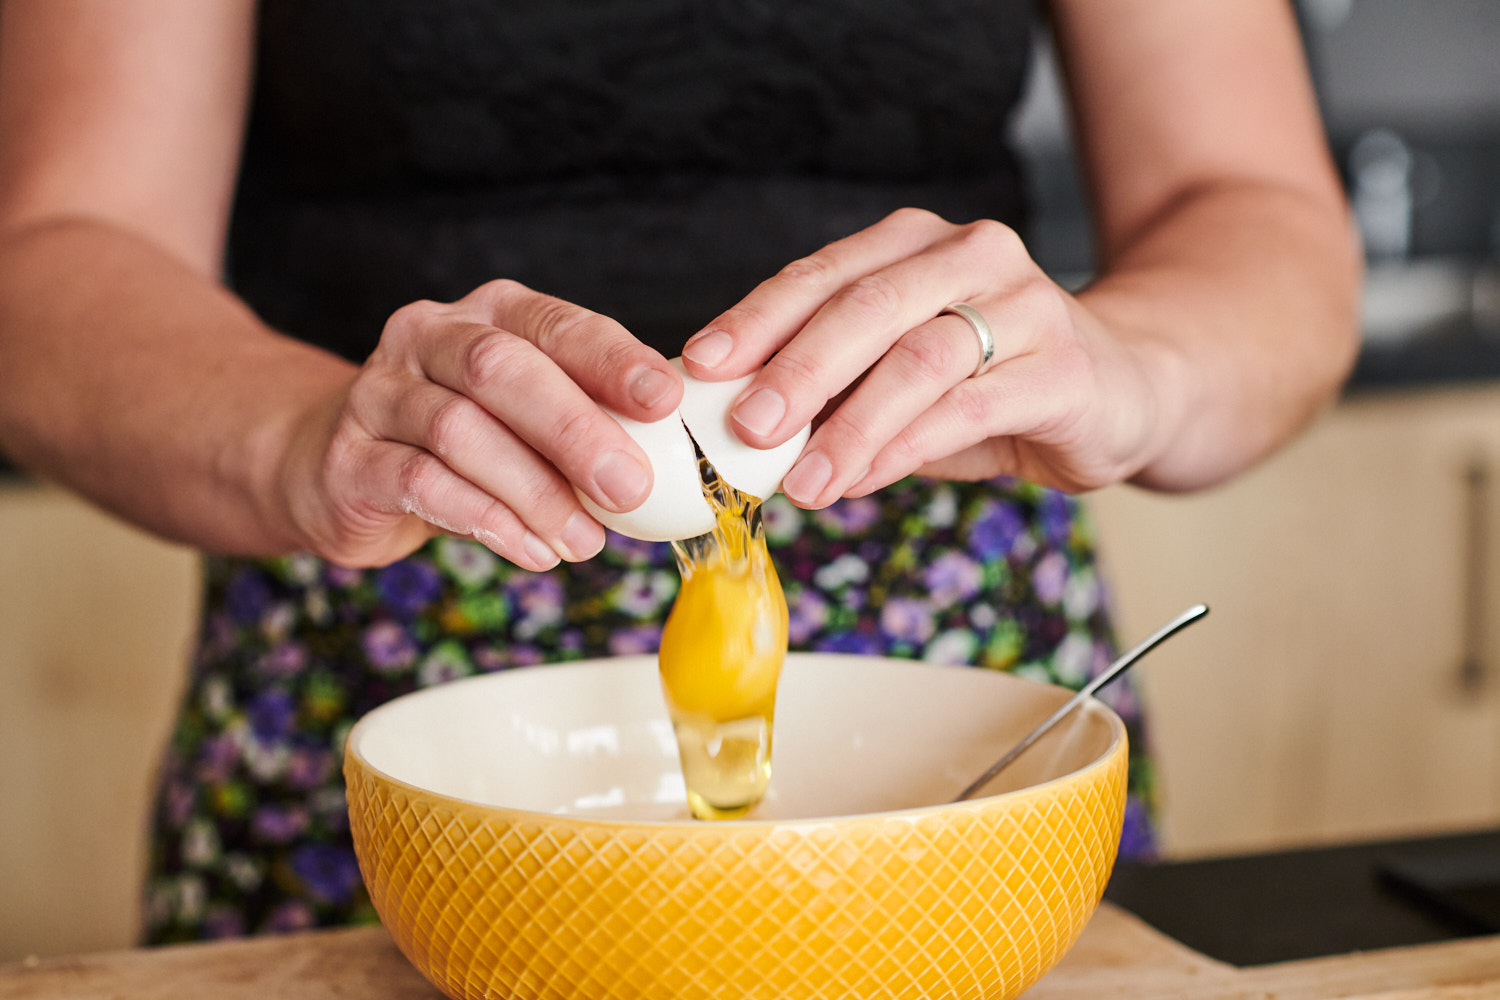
(526, 834)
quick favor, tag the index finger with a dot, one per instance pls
(606, 361)
(741, 339)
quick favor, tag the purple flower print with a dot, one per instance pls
(1055, 511)
(470, 563)
(388, 647)
(539, 597)
(953, 646)
(953, 577)
(1081, 597)
(223, 922)
(1070, 662)
(845, 569)
(447, 661)
(288, 918)
(341, 577)
(633, 551)
(995, 532)
(807, 613)
(1050, 577)
(780, 518)
(1123, 699)
(907, 620)
(862, 643)
(641, 593)
(308, 768)
(1137, 838)
(850, 516)
(178, 803)
(219, 637)
(330, 872)
(247, 595)
(489, 659)
(271, 715)
(637, 639)
(283, 660)
(217, 758)
(273, 824)
(409, 586)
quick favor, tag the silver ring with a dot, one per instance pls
(981, 330)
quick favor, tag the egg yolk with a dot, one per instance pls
(721, 654)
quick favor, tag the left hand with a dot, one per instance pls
(1063, 402)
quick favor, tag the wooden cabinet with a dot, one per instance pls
(95, 622)
(1347, 682)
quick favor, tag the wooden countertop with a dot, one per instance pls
(1117, 957)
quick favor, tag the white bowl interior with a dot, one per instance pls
(853, 735)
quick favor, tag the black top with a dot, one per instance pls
(649, 159)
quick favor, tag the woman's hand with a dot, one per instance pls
(1061, 402)
(475, 418)
(1224, 315)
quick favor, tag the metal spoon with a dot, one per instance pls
(1116, 668)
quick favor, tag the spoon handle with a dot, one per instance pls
(1115, 669)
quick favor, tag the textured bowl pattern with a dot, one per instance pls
(973, 900)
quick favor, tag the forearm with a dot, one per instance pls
(133, 380)
(1242, 302)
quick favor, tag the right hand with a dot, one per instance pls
(475, 418)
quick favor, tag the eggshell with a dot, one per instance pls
(675, 507)
(705, 411)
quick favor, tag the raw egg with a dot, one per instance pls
(725, 640)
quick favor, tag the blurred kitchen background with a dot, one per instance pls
(1346, 686)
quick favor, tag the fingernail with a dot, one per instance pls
(855, 485)
(708, 348)
(582, 536)
(539, 551)
(650, 386)
(808, 477)
(760, 412)
(622, 479)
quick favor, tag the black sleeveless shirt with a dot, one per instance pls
(648, 159)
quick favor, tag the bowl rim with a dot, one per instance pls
(514, 814)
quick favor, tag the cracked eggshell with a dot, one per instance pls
(676, 507)
(705, 411)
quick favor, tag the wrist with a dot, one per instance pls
(1156, 379)
(283, 455)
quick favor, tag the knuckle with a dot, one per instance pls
(575, 426)
(1042, 300)
(410, 318)
(744, 318)
(494, 295)
(501, 288)
(815, 271)
(554, 321)
(873, 293)
(993, 238)
(906, 449)
(972, 405)
(916, 218)
(927, 355)
(616, 360)
(492, 358)
(449, 424)
(417, 475)
(847, 438)
(540, 495)
(795, 369)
